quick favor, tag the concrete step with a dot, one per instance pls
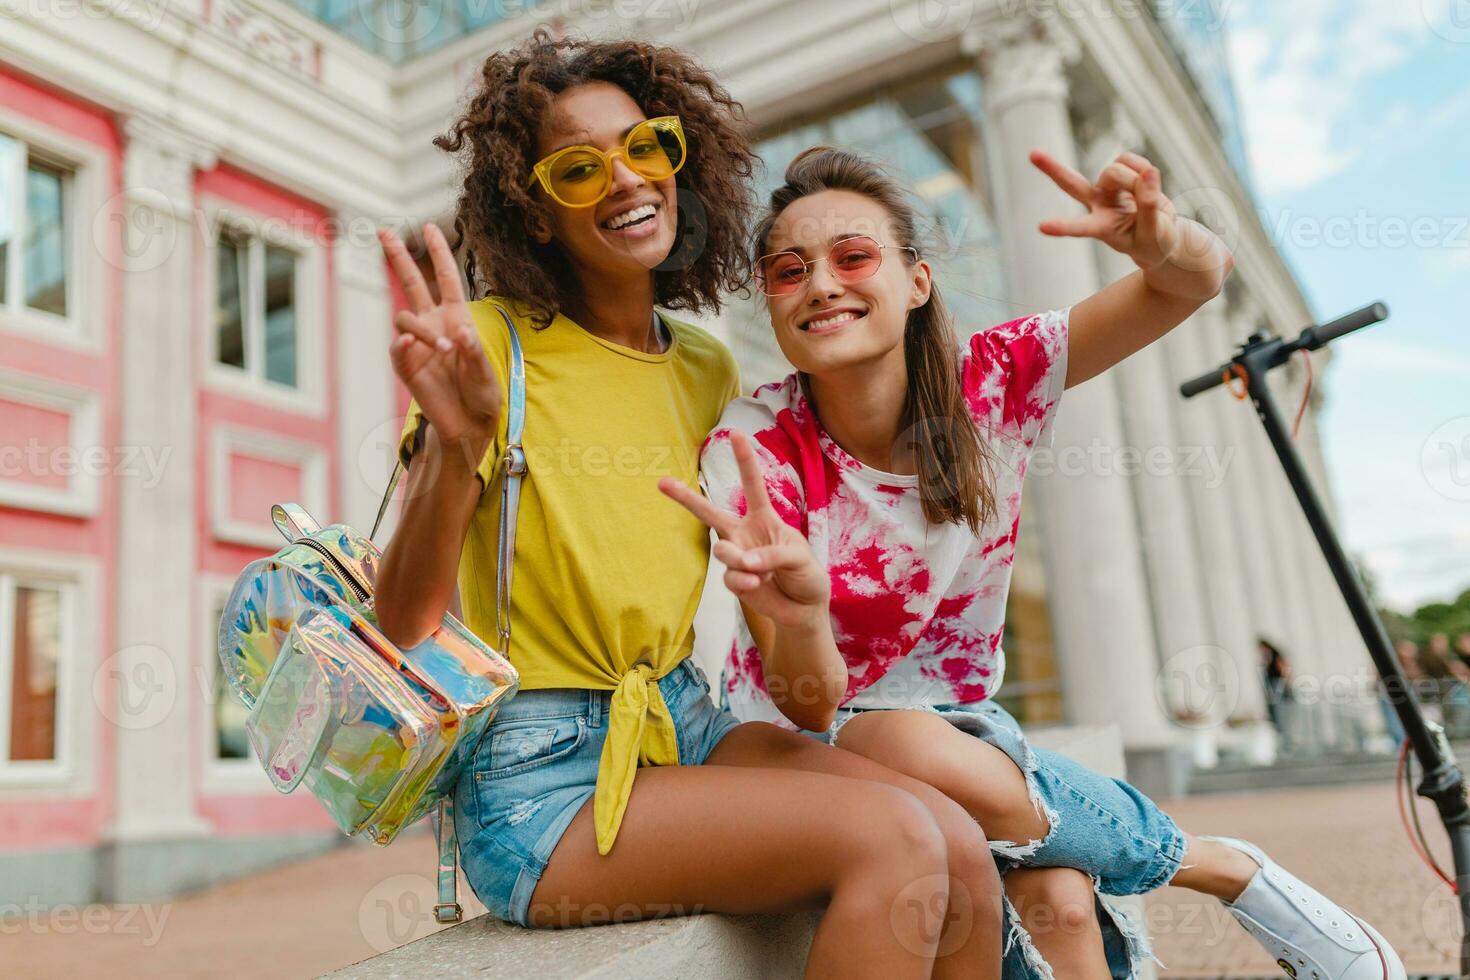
(1324, 770)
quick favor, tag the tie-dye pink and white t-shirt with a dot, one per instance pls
(917, 609)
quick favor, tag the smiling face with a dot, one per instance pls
(826, 324)
(632, 229)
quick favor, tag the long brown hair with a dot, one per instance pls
(955, 464)
(496, 137)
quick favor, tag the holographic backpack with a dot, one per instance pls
(377, 733)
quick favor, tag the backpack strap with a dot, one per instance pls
(511, 470)
(447, 909)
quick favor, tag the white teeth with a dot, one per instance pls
(628, 217)
(832, 320)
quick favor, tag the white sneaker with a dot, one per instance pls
(1311, 937)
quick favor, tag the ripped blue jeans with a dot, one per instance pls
(1099, 825)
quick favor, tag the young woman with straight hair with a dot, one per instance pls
(886, 520)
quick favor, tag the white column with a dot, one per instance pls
(1349, 688)
(1276, 502)
(147, 688)
(1190, 651)
(1334, 658)
(1096, 588)
(368, 421)
(1187, 352)
(1262, 525)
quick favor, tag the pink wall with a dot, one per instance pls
(45, 818)
(263, 480)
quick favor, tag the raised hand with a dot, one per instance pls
(768, 563)
(436, 352)
(1126, 209)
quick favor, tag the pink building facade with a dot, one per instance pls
(194, 318)
(169, 368)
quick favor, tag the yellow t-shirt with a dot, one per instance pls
(608, 571)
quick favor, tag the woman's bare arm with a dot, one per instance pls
(438, 356)
(804, 672)
(417, 576)
(783, 592)
(1181, 263)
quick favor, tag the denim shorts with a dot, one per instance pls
(1099, 825)
(536, 767)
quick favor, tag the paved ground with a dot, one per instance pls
(323, 913)
(1347, 842)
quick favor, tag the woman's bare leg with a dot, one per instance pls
(1214, 869)
(986, 782)
(975, 774)
(736, 840)
(1057, 908)
(971, 944)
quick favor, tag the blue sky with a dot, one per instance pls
(1357, 123)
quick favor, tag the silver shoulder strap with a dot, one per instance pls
(511, 470)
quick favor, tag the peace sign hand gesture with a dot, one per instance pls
(437, 353)
(1126, 209)
(769, 564)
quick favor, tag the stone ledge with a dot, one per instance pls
(756, 946)
(766, 946)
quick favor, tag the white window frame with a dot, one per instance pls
(226, 441)
(89, 242)
(76, 579)
(81, 496)
(221, 777)
(308, 396)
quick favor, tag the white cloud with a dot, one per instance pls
(1300, 69)
(1374, 354)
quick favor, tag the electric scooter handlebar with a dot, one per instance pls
(1311, 338)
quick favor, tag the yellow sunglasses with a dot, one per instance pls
(580, 176)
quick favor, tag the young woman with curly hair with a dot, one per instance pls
(602, 180)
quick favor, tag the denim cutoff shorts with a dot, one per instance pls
(1099, 825)
(536, 767)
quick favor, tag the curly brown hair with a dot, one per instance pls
(496, 138)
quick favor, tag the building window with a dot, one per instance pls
(255, 308)
(927, 133)
(33, 642)
(35, 235)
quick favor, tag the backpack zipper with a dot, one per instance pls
(359, 590)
